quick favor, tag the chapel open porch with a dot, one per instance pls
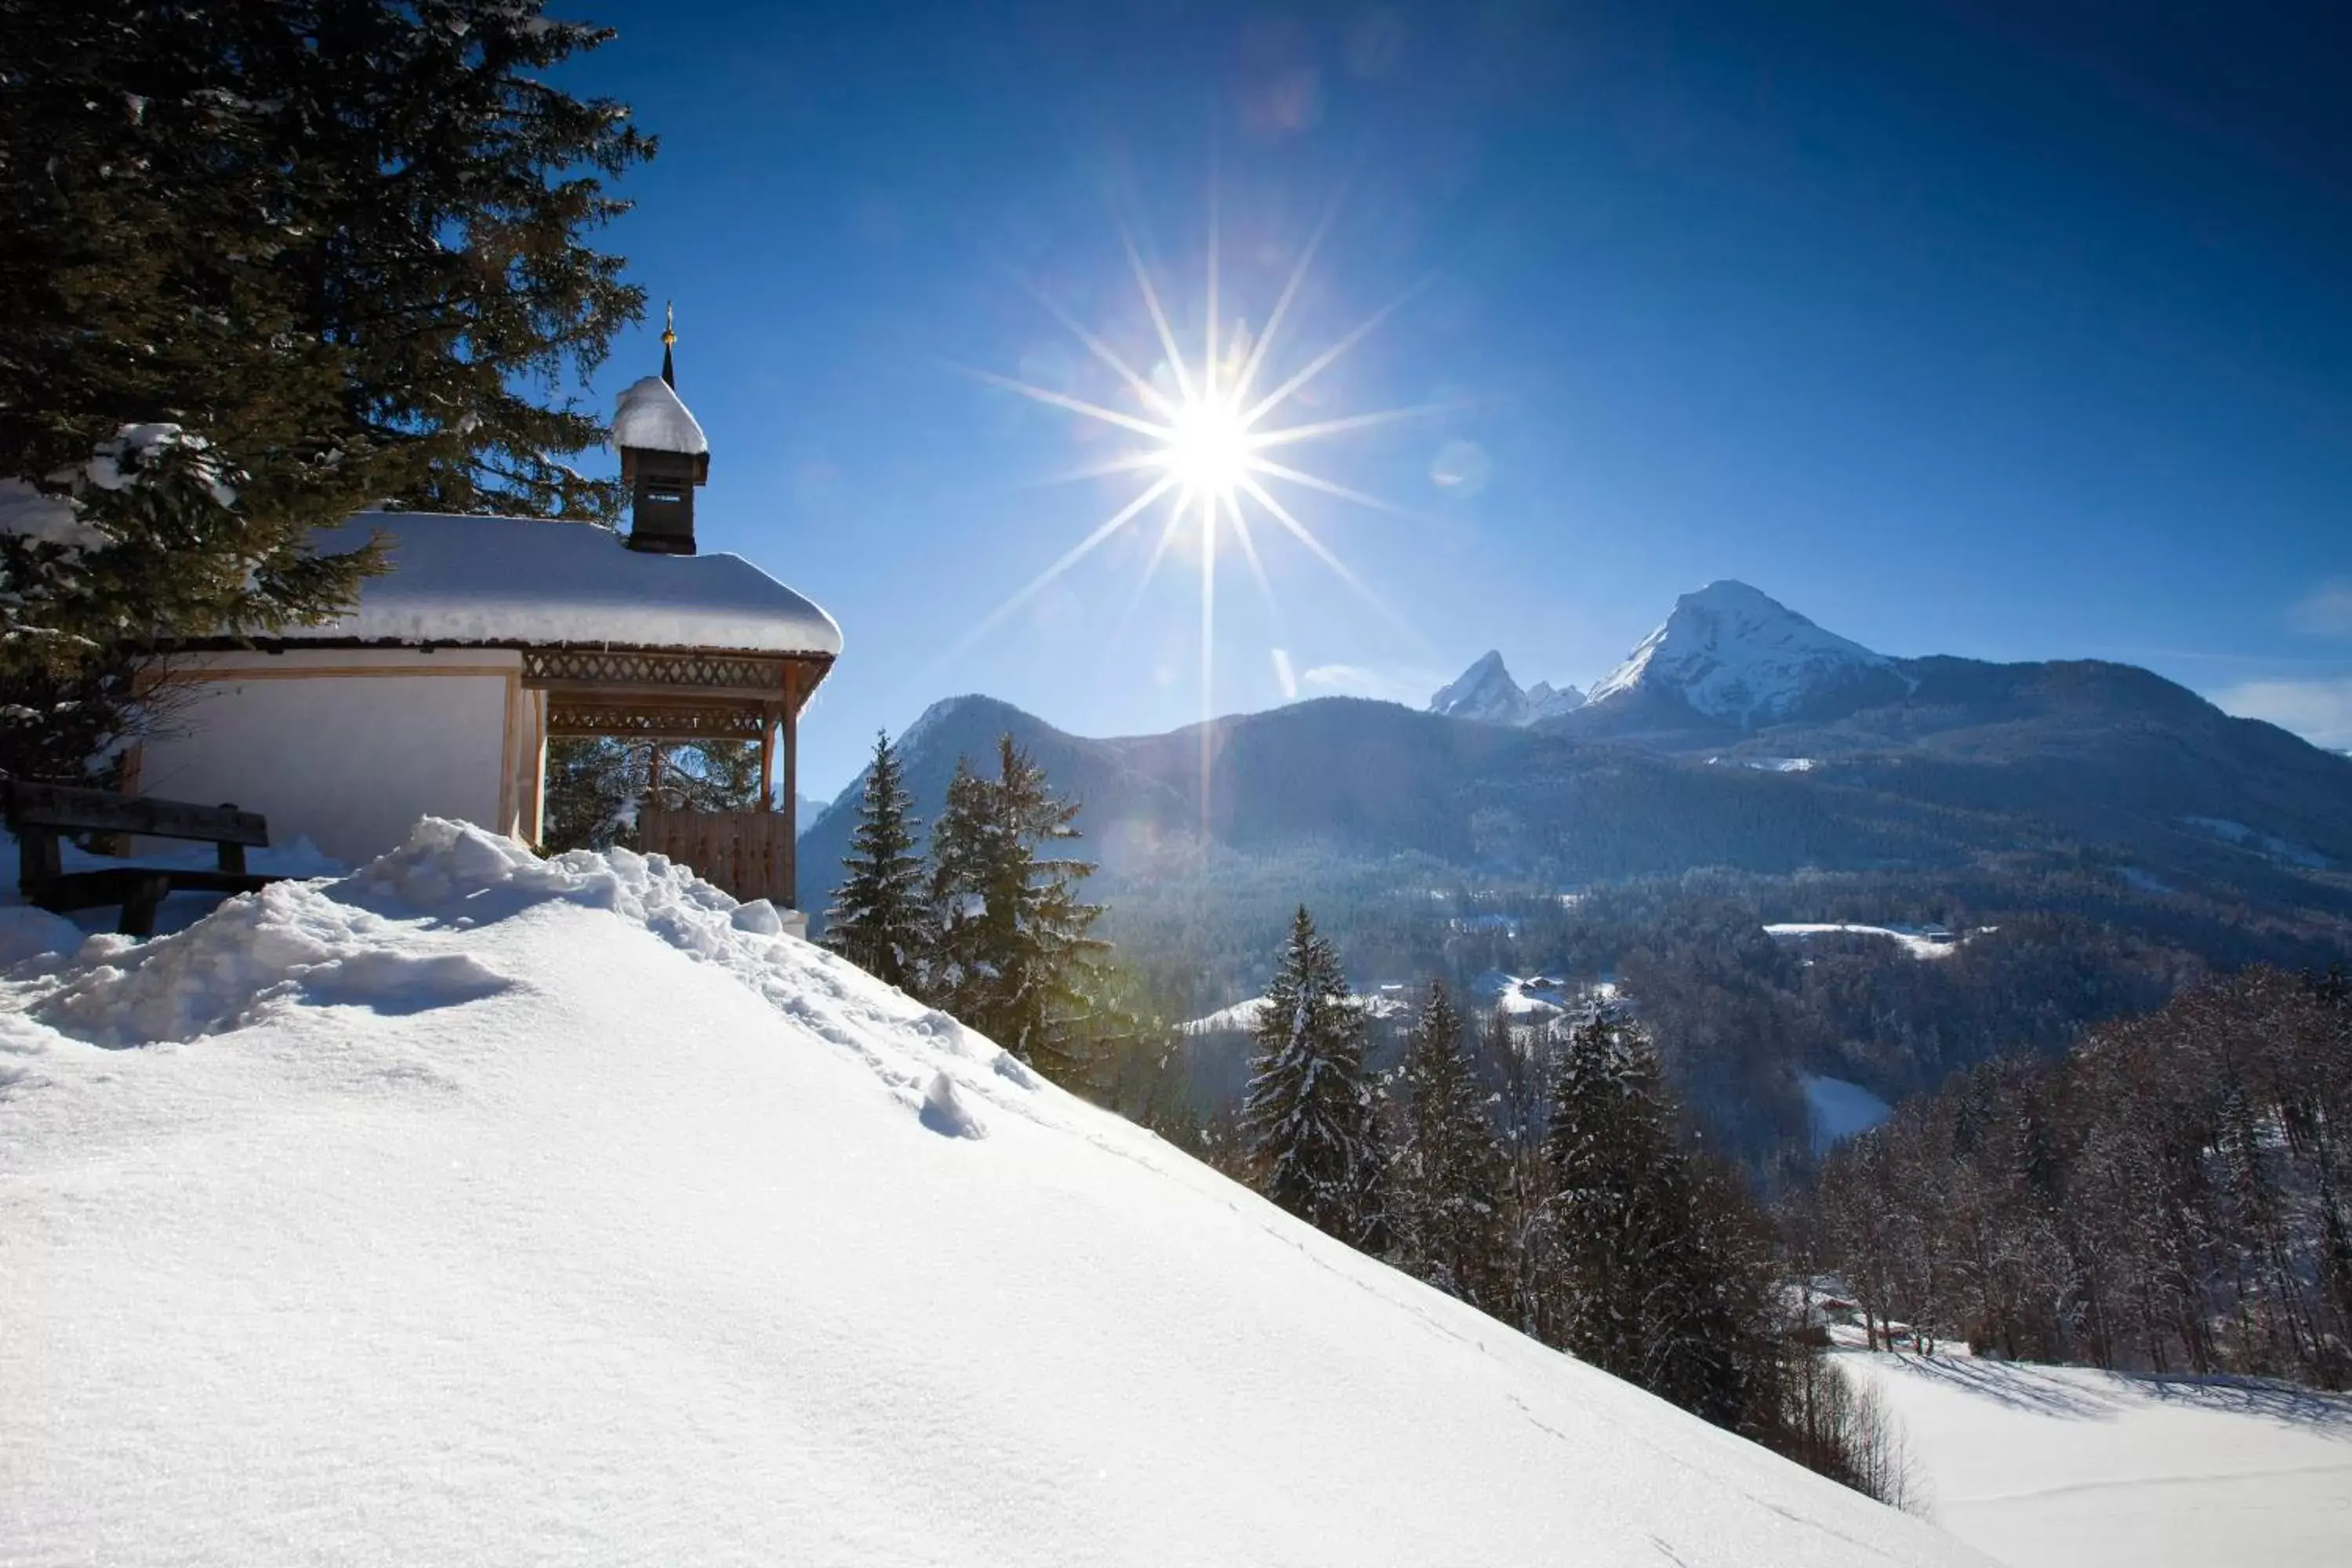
(693, 697)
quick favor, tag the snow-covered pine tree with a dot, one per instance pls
(961, 966)
(1445, 1175)
(1516, 1058)
(1011, 944)
(880, 919)
(1639, 1290)
(1308, 1109)
(268, 263)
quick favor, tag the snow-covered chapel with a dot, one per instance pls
(437, 693)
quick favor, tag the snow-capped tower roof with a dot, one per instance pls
(651, 417)
(663, 455)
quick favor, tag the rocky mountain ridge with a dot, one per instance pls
(1739, 736)
(1487, 692)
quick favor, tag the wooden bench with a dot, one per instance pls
(39, 815)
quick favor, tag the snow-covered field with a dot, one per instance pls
(1769, 765)
(1516, 993)
(476, 1209)
(1920, 942)
(1541, 995)
(1840, 1109)
(2071, 1468)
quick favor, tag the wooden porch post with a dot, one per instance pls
(768, 761)
(792, 732)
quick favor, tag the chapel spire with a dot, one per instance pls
(663, 456)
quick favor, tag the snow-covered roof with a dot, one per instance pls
(653, 416)
(518, 581)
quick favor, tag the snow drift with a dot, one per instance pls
(476, 1208)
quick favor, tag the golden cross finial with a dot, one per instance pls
(669, 324)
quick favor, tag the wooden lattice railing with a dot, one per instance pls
(748, 853)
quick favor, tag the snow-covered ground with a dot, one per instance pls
(1769, 765)
(1519, 994)
(1840, 1109)
(1542, 994)
(1920, 942)
(1381, 1002)
(1240, 1018)
(480, 1210)
(24, 931)
(2070, 1467)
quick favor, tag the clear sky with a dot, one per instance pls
(2008, 330)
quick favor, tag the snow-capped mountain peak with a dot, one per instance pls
(1544, 701)
(1487, 692)
(1736, 654)
(1484, 690)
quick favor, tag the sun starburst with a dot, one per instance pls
(1206, 434)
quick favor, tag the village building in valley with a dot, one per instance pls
(438, 691)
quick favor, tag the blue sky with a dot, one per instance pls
(1961, 328)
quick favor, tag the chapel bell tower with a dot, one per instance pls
(663, 456)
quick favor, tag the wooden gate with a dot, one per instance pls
(748, 853)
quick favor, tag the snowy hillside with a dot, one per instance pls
(477, 1209)
(1487, 692)
(1734, 654)
(2048, 1467)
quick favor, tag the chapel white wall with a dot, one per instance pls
(349, 747)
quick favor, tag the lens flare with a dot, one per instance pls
(1205, 432)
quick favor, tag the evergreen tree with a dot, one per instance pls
(1640, 1293)
(1308, 1107)
(1012, 947)
(703, 775)
(268, 261)
(595, 785)
(1446, 1183)
(1518, 1058)
(591, 784)
(880, 916)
